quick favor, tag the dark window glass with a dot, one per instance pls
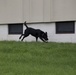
(65, 27)
(15, 28)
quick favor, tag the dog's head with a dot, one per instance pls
(45, 36)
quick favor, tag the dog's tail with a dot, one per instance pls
(25, 24)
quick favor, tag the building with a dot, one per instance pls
(57, 17)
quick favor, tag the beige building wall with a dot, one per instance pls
(37, 10)
(33, 10)
(64, 10)
(18, 11)
(26, 10)
(10, 11)
(49, 10)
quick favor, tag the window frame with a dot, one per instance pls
(15, 33)
(65, 32)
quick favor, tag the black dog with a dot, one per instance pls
(37, 33)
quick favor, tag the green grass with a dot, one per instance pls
(35, 58)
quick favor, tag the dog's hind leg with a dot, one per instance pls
(21, 36)
(24, 36)
(36, 39)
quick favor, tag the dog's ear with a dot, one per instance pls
(46, 33)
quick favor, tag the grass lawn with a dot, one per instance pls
(35, 58)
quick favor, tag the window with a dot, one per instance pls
(65, 27)
(15, 28)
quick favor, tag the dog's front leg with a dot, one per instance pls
(42, 39)
(36, 39)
